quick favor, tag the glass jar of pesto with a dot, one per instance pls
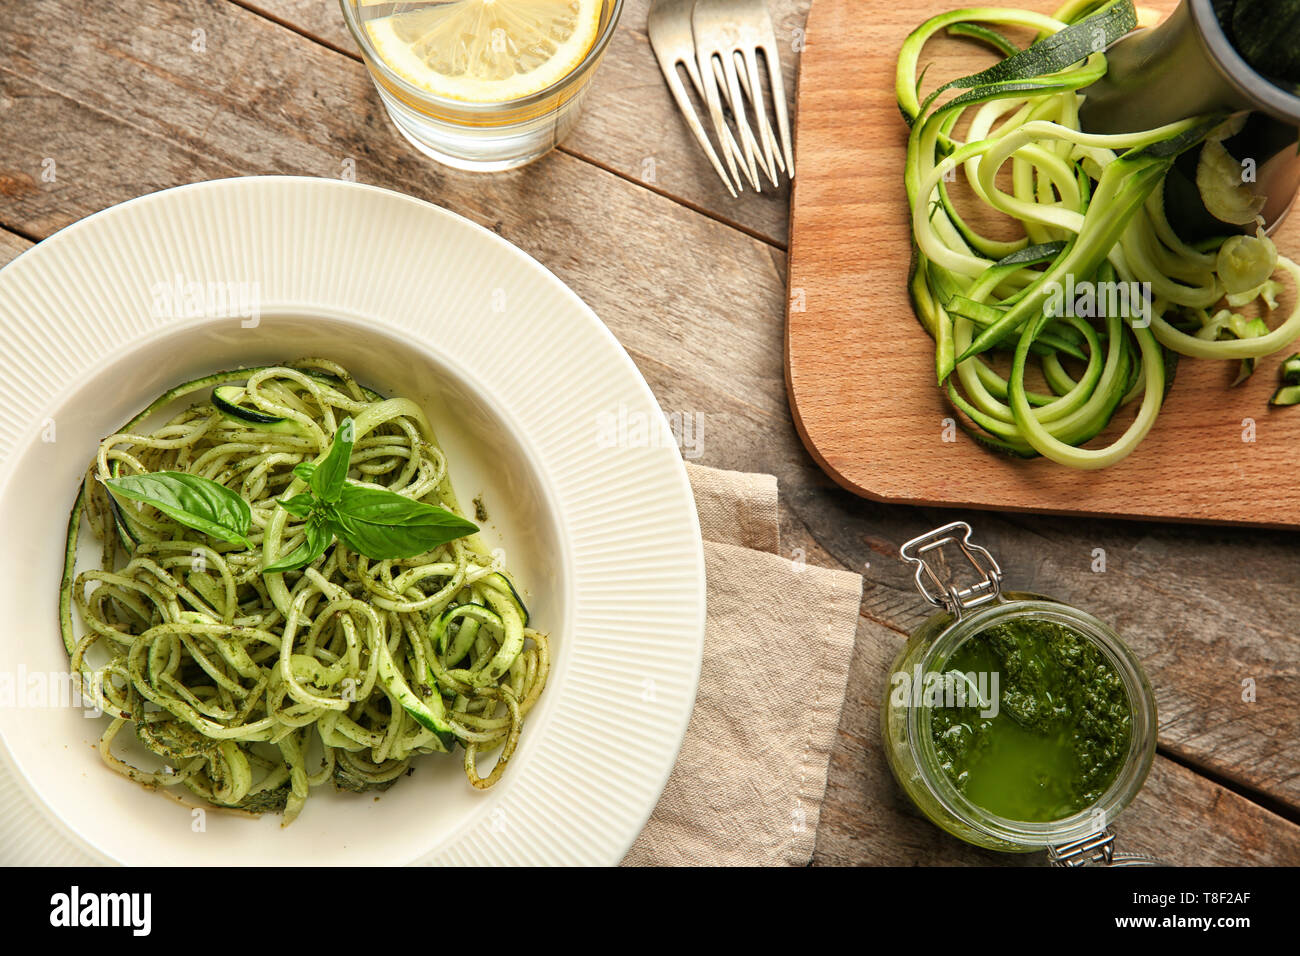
(1014, 721)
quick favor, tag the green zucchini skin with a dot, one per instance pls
(124, 530)
(1285, 396)
(1288, 393)
(225, 400)
(69, 575)
(428, 712)
(74, 519)
(512, 642)
(1291, 370)
(500, 582)
(475, 613)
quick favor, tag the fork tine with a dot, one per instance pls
(744, 85)
(750, 173)
(747, 164)
(718, 43)
(777, 159)
(669, 31)
(754, 87)
(693, 121)
(693, 71)
(777, 82)
(731, 151)
(738, 110)
(726, 140)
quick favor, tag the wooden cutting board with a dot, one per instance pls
(860, 370)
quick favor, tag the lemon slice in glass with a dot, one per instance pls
(486, 51)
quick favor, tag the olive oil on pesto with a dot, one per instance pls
(1061, 731)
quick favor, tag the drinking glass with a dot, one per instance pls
(479, 136)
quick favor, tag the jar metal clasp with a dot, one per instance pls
(942, 585)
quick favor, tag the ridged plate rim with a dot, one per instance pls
(96, 269)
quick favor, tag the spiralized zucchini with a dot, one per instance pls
(249, 689)
(1091, 211)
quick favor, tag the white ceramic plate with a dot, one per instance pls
(540, 410)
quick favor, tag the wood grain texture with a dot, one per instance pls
(309, 110)
(861, 370)
(127, 107)
(630, 124)
(11, 246)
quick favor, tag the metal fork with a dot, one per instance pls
(731, 33)
(717, 42)
(669, 29)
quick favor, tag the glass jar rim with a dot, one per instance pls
(1133, 772)
(417, 93)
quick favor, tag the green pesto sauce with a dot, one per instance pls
(1061, 731)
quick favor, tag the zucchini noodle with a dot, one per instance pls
(1091, 210)
(248, 690)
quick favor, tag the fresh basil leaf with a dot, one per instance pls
(383, 524)
(305, 470)
(319, 537)
(191, 500)
(381, 507)
(300, 506)
(329, 476)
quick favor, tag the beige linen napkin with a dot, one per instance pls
(749, 782)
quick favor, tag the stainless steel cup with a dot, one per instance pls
(1186, 67)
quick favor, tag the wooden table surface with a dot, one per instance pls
(101, 102)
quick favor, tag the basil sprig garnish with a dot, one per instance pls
(190, 500)
(380, 524)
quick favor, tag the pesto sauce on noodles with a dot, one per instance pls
(251, 690)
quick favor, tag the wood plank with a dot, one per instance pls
(1179, 816)
(11, 246)
(306, 111)
(321, 21)
(1215, 454)
(614, 133)
(90, 169)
